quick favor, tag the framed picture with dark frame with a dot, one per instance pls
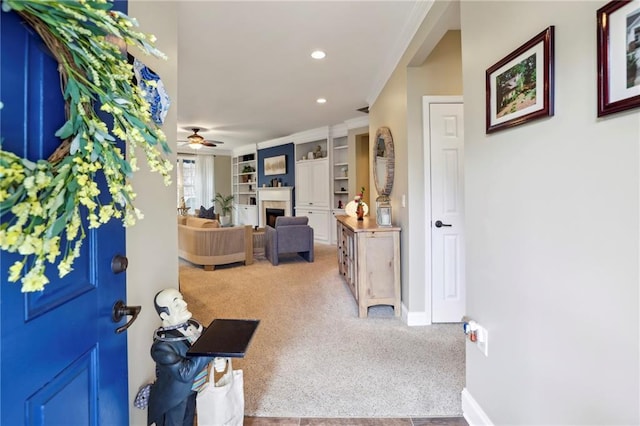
(618, 56)
(520, 86)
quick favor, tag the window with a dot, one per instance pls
(186, 172)
(196, 181)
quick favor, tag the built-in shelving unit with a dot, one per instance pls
(244, 181)
(340, 173)
(312, 186)
(339, 179)
(309, 151)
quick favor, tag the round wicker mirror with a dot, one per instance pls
(383, 162)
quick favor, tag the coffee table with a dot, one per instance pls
(258, 242)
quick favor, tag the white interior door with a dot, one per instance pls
(447, 211)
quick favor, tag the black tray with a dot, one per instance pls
(227, 338)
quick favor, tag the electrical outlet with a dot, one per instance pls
(482, 340)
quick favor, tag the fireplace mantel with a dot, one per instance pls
(274, 197)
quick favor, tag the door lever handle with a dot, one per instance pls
(439, 224)
(121, 310)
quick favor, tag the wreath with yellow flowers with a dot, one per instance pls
(42, 202)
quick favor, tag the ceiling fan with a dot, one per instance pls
(196, 141)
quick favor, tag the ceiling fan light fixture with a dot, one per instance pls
(195, 137)
(196, 141)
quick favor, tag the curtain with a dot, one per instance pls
(186, 182)
(205, 185)
(180, 181)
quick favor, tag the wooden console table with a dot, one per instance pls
(369, 260)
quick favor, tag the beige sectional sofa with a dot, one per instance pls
(204, 242)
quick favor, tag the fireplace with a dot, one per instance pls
(271, 215)
(279, 198)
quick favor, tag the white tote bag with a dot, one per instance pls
(221, 403)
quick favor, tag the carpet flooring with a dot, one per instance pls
(313, 357)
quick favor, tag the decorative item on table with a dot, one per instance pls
(351, 207)
(383, 210)
(359, 204)
(182, 207)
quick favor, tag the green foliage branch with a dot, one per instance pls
(42, 202)
(226, 202)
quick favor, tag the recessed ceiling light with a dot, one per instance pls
(318, 54)
(321, 101)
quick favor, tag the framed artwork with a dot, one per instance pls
(618, 56)
(520, 86)
(275, 165)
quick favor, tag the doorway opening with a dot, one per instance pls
(445, 292)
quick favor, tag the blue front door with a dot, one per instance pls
(61, 362)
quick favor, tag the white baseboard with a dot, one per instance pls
(414, 318)
(472, 412)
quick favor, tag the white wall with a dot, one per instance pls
(152, 244)
(552, 232)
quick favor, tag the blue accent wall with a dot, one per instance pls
(287, 179)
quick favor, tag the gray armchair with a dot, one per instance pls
(290, 235)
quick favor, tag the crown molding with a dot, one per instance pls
(311, 135)
(339, 130)
(417, 15)
(356, 123)
(244, 149)
(205, 150)
(274, 142)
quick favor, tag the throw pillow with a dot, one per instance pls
(207, 213)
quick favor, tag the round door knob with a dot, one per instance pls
(119, 263)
